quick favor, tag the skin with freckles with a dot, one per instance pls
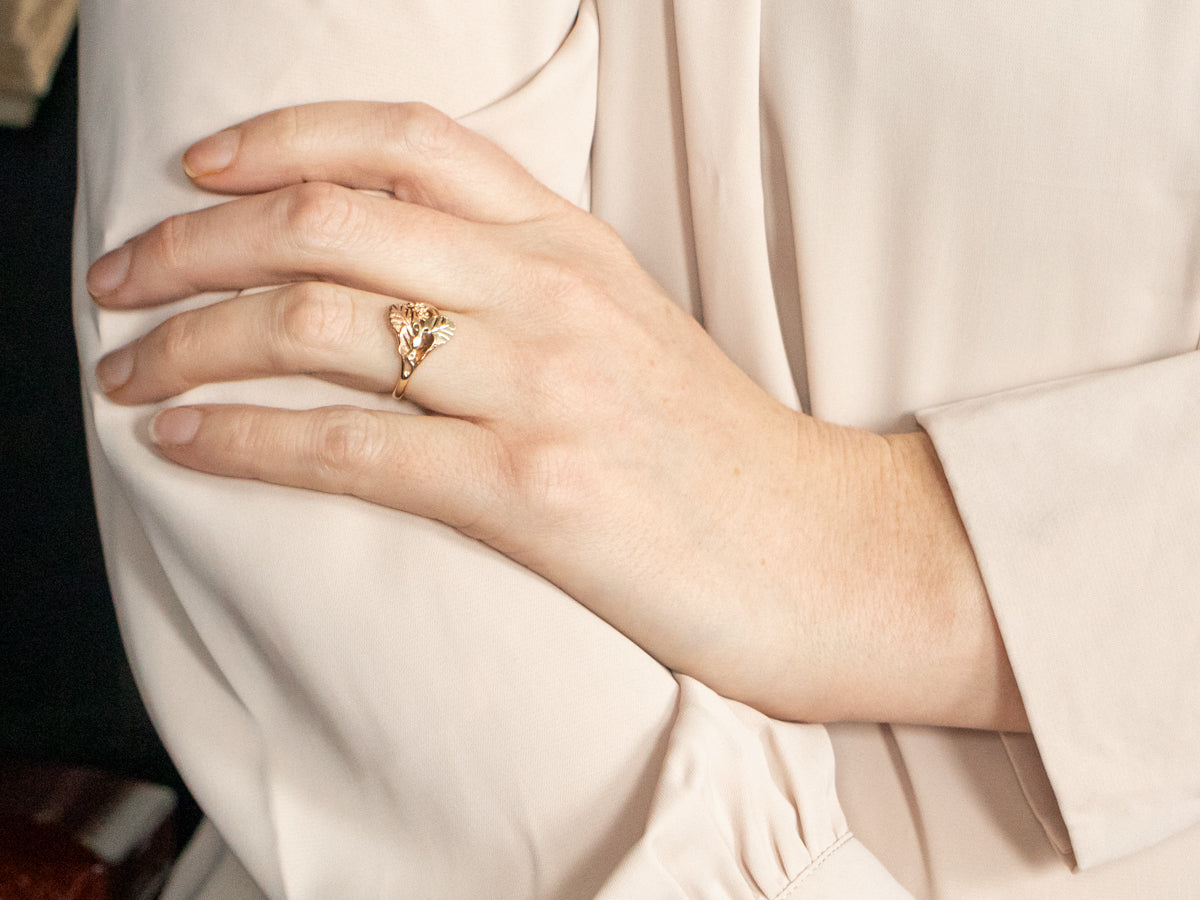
(578, 421)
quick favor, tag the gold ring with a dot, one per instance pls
(419, 328)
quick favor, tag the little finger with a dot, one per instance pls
(411, 149)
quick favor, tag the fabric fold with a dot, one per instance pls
(1078, 497)
(744, 809)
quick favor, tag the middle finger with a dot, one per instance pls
(307, 232)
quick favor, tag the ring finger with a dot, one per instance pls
(315, 328)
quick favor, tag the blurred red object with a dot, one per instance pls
(80, 834)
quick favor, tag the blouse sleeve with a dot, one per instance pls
(1082, 501)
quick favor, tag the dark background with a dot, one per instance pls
(66, 692)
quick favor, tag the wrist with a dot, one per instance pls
(960, 673)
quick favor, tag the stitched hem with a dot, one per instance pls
(812, 867)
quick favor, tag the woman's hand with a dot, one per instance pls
(579, 421)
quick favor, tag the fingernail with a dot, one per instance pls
(109, 271)
(114, 370)
(175, 426)
(213, 154)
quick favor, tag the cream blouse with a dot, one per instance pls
(983, 218)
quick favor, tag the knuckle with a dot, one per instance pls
(425, 137)
(605, 237)
(314, 316)
(486, 516)
(566, 283)
(245, 438)
(171, 241)
(297, 133)
(424, 130)
(180, 341)
(292, 130)
(348, 441)
(552, 379)
(550, 480)
(319, 216)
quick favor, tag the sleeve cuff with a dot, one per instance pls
(1082, 502)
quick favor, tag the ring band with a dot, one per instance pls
(420, 329)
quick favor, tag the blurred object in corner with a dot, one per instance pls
(80, 834)
(33, 35)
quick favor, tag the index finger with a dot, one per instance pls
(411, 149)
